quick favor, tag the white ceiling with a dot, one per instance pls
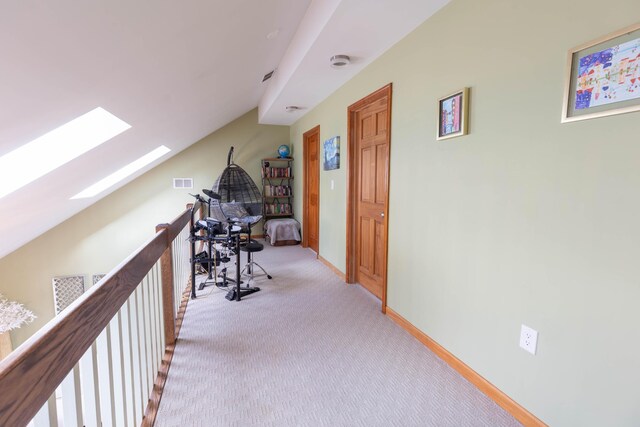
(175, 71)
(361, 29)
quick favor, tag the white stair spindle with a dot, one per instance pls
(71, 400)
(47, 416)
(88, 385)
(152, 323)
(136, 356)
(147, 335)
(159, 324)
(127, 364)
(104, 378)
(117, 372)
(142, 339)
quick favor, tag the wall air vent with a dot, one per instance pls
(268, 76)
(65, 290)
(182, 182)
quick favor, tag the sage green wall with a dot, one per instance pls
(525, 220)
(101, 236)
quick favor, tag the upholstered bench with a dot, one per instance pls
(282, 231)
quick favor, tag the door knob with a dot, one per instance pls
(382, 214)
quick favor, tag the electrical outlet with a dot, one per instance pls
(528, 339)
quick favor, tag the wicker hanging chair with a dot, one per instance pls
(240, 197)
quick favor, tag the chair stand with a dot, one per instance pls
(251, 247)
(236, 293)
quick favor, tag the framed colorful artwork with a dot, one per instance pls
(603, 76)
(332, 153)
(453, 114)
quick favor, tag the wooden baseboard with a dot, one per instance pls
(333, 268)
(151, 411)
(508, 404)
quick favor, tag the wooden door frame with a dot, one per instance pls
(305, 191)
(352, 195)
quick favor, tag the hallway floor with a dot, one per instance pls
(308, 350)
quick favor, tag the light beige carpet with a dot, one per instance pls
(308, 350)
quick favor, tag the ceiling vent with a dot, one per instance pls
(268, 76)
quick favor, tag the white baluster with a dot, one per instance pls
(153, 277)
(148, 339)
(159, 308)
(142, 339)
(104, 378)
(47, 416)
(159, 318)
(127, 364)
(136, 355)
(71, 401)
(90, 396)
(117, 371)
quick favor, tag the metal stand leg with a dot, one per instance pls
(250, 266)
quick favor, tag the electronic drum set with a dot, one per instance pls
(223, 240)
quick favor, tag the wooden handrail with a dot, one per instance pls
(34, 370)
(176, 226)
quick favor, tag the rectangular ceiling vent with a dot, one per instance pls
(182, 182)
(268, 76)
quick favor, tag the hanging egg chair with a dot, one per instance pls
(240, 197)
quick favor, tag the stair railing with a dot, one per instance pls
(108, 353)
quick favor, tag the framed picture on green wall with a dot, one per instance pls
(332, 153)
(603, 76)
(453, 112)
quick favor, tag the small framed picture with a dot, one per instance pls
(603, 76)
(453, 114)
(332, 153)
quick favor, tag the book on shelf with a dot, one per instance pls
(273, 172)
(277, 190)
(278, 208)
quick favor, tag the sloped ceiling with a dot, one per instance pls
(175, 71)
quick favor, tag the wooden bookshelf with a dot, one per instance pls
(277, 187)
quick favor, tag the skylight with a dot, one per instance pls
(57, 147)
(121, 174)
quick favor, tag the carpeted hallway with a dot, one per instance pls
(308, 350)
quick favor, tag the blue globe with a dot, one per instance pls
(283, 151)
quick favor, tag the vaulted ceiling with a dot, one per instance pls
(175, 71)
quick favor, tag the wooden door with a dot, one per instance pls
(311, 220)
(369, 126)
